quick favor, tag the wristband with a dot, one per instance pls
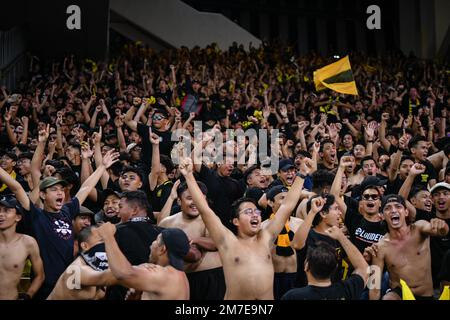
(301, 175)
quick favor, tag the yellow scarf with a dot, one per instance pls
(4, 186)
(283, 241)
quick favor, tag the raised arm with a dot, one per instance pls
(416, 169)
(132, 124)
(212, 222)
(110, 157)
(356, 258)
(156, 165)
(16, 188)
(301, 235)
(435, 228)
(289, 203)
(130, 276)
(336, 186)
(165, 211)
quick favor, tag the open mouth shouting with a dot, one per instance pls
(395, 219)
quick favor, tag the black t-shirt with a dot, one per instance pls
(54, 235)
(363, 233)
(439, 247)
(313, 238)
(350, 289)
(222, 191)
(423, 215)
(444, 274)
(410, 106)
(134, 239)
(219, 107)
(165, 145)
(393, 187)
(160, 195)
(429, 174)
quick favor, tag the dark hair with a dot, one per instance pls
(116, 168)
(249, 171)
(447, 149)
(236, 204)
(367, 158)
(322, 260)
(167, 163)
(183, 187)
(329, 201)
(322, 178)
(137, 199)
(406, 158)
(84, 235)
(135, 170)
(415, 141)
(75, 145)
(322, 144)
(415, 190)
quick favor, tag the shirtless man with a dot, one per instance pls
(206, 278)
(283, 255)
(161, 279)
(405, 250)
(83, 281)
(15, 248)
(246, 257)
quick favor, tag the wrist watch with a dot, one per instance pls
(301, 175)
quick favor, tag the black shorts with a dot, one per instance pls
(399, 291)
(282, 283)
(207, 284)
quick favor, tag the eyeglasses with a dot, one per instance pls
(158, 117)
(250, 212)
(370, 197)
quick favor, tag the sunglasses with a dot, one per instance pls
(158, 117)
(370, 197)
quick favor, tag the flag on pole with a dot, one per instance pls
(337, 76)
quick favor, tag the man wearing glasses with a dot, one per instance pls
(246, 255)
(160, 126)
(362, 219)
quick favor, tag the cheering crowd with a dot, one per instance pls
(100, 199)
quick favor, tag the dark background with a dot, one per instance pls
(44, 23)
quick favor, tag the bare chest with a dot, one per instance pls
(13, 256)
(413, 252)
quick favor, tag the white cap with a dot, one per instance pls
(131, 146)
(440, 185)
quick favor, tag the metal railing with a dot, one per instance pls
(12, 56)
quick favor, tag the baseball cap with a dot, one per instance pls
(11, 202)
(392, 198)
(440, 185)
(51, 181)
(372, 181)
(271, 194)
(107, 192)
(177, 244)
(286, 164)
(84, 212)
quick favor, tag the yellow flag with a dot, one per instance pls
(406, 291)
(445, 293)
(337, 76)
